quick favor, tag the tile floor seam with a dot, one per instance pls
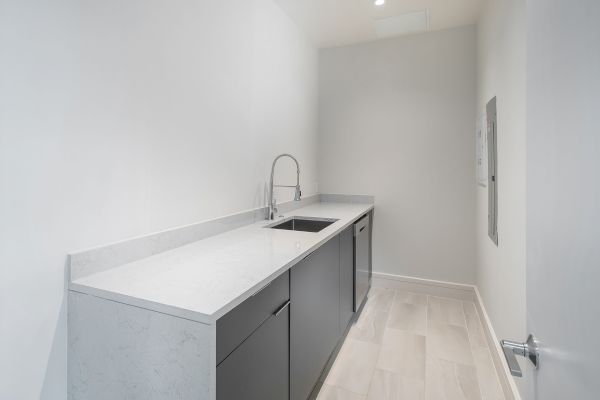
(426, 322)
(385, 328)
(460, 385)
(477, 372)
(489, 352)
(464, 313)
(425, 389)
(366, 396)
(384, 332)
(374, 369)
(456, 380)
(481, 325)
(344, 389)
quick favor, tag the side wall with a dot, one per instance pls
(501, 72)
(119, 119)
(397, 120)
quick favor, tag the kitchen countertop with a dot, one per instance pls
(204, 280)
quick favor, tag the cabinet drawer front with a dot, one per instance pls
(259, 368)
(239, 323)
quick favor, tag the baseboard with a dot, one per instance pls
(507, 382)
(458, 291)
(452, 290)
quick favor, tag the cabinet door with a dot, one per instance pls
(346, 277)
(314, 294)
(235, 326)
(259, 368)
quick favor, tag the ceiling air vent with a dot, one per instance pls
(402, 24)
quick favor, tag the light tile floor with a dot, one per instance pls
(413, 346)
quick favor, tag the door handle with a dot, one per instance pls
(280, 309)
(529, 350)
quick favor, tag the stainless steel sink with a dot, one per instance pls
(304, 224)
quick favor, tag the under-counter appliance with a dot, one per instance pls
(362, 260)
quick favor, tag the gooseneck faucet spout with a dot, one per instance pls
(272, 202)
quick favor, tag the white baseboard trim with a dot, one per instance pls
(452, 290)
(507, 382)
(458, 291)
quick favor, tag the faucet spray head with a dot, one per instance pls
(298, 194)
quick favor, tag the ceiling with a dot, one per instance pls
(340, 22)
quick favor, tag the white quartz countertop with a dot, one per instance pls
(204, 280)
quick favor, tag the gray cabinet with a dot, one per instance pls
(346, 277)
(314, 311)
(239, 323)
(362, 260)
(259, 368)
(266, 354)
(253, 343)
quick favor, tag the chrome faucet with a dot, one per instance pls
(272, 202)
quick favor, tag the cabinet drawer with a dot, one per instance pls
(258, 369)
(239, 323)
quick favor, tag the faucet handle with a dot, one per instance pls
(274, 205)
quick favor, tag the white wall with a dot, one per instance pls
(123, 118)
(501, 73)
(397, 120)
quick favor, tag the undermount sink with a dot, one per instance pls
(304, 224)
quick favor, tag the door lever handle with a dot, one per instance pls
(511, 350)
(280, 309)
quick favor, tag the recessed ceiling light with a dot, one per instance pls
(379, 2)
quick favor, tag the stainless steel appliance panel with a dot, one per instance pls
(362, 260)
